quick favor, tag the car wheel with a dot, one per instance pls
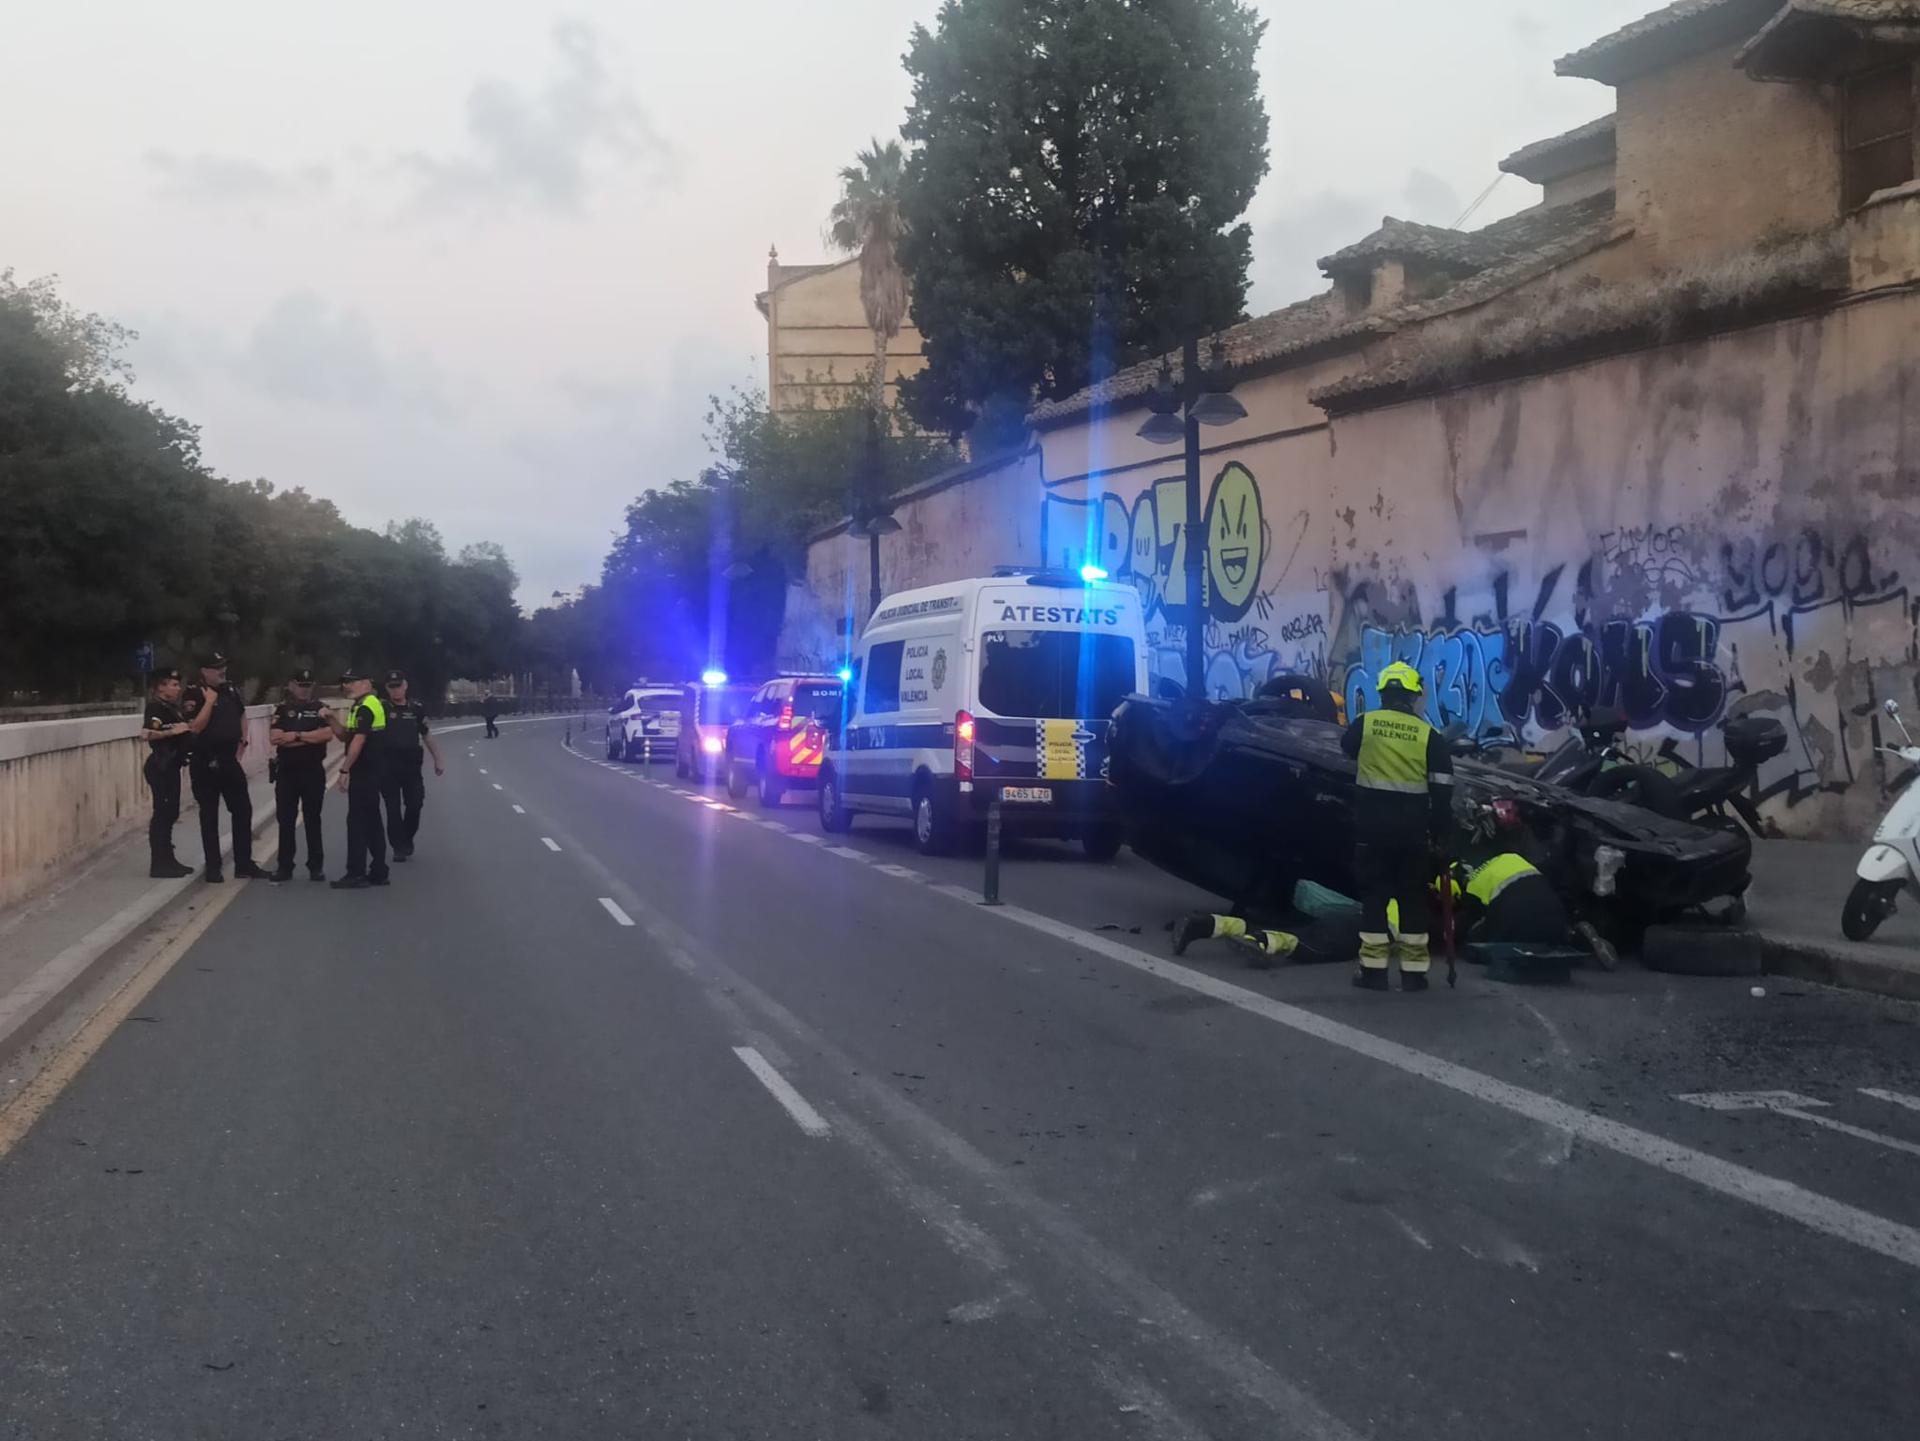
(1868, 904)
(932, 826)
(1692, 948)
(835, 819)
(772, 789)
(1103, 844)
(736, 783)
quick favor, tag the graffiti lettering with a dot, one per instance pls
(1804, 569)
(1304, 627)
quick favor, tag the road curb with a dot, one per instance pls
(26, 1010)
(1832, 966)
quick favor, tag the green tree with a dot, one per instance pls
(1074, 198)
(866, 221)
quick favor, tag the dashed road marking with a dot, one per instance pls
(804, 1116)
(497, 786)
(550, 843)
(1801, 1108)
(773, 825)
(905, 873)
(805, 839)
(1898, 1098)
(848, 853)
(519, 810)
(606, 903)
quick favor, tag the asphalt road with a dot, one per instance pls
(624, 1115)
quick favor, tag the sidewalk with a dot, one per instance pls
(52, 943)
(1799, 888)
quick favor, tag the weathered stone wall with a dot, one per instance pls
(1709, 159)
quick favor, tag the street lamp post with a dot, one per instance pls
(1202, 397)
(871, 518)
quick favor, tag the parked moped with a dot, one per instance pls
(1892, 862)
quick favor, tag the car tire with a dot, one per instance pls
(613, 747)
(1868, 904)
(770, 788)
(1103, 843)
(835, 818)
(1694, 948)
(736, 784)
(932, 825)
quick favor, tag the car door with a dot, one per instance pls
(879, 764)
(743, 734)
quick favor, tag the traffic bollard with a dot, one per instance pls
(992, 895)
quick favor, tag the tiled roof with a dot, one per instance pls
(1504, 254)
(1798, 42)
(1402, 239)
(1678, 30)
(1579, 148)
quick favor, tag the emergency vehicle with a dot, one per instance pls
(1002, 685)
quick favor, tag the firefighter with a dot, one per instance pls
(1403, 805)
(1321, 941)
(1508, 902)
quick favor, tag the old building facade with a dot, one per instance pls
(1654, 442)
(819, 350)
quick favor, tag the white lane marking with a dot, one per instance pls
(497, 786)
(550, 843)
(1801, 1108)
(1768, 1193)
(848, 853)
(519, 810)
(905, 873)
(483, 770)
(717, 805)
(1898, 1098)
(606, 903)
(774, 825)
(804, 1116)
(805, 839)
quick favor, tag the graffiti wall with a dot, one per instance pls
(1262, 612)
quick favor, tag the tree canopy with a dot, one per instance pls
(1074, 196)
(699, 575)
(118, 536)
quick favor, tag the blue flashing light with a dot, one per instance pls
(845, 673)
(1091, 573)
(713, 677)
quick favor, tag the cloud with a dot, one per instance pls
(1430, 200)
(207, 179)
(1289, 240)
(307, 350)
(546, 149)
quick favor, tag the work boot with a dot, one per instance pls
(352, 883)
(1413, 980)
(399, 856)
(281, 876)
(1194, 926)
(213, 876)
(1368, 979)
(248, 871)
(380, 879)
(166, 868)
(316, 874)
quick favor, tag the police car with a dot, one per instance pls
(644, 724)
(1000, 685)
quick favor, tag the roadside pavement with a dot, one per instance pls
(1798, 890)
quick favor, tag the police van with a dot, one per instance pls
(1002, 685)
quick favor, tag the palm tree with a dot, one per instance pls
(866, 221)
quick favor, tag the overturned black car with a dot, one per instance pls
(1244, 799)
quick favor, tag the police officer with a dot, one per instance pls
(365, 733)
(166, 732)
(404, 786)
(1403, 807)
(300, 733)
(215, 768)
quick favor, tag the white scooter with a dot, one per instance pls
(1893, 860)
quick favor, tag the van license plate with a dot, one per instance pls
(1027, 795)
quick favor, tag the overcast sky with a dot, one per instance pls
(482, 260)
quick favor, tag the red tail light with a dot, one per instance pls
(786, 717)
(963, 747)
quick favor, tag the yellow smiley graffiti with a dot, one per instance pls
(1236, 542)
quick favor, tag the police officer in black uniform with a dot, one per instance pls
(364, 732)
(219, 720)
(166, 732)
(403, 783)
(300, 733)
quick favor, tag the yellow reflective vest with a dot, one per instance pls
(1489, 881)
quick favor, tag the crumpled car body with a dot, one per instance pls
(1244, 800)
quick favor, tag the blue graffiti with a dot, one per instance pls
(1464, 673)
(1662, 671)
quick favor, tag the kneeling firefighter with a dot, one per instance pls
(1403, 807)
(1507, 901)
